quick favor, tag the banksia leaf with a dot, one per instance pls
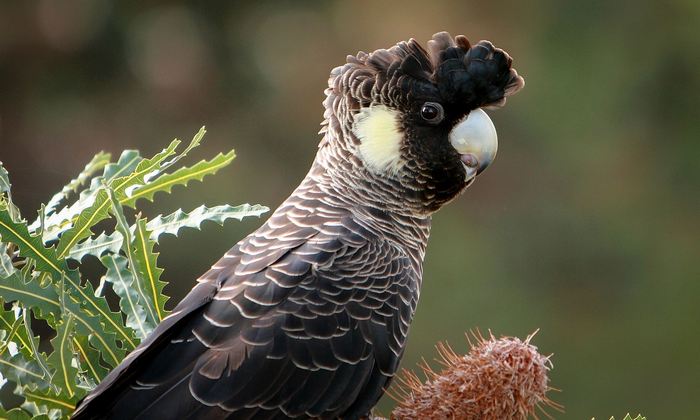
(49, 403)
(62, 356)
(140, 284)
(30, 246)
(131, 173)
(166, 225)
(44, 301)
(14, 414)
(149, 273)
(4, 180)
(92, 304)
(15, 334)
(503, 378)
(62, 220)
(89, 359)
(102, 335)
(172, 223)
(36, 279)
(181, 176)
(144, 169)
(22, 370)
(122, 280)
(195, 142)
(6, 267)
(46, 304)
(82, 226)
(99, 209)
(98, 246)
(127, 163)
(98, 162)
(5, 187)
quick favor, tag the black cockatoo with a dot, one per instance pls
(308, 316)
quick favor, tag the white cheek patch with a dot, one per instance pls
(377, 128)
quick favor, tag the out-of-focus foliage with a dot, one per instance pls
(37, 278)
(586, 226)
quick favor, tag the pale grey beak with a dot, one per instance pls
(476, 141)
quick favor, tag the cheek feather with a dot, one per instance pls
(377, 128)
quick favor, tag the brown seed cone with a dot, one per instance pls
(504, 378)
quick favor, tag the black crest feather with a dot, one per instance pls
(469, 75)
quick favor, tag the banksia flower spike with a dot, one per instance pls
(504, 378)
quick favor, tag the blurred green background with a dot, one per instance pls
(586, 227)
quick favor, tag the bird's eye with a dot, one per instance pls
(432, 112)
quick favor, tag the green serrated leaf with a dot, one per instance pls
(29, 246)
(82, 226)
(195, 142)
(22, 370)
(59, 222)
(49, 403)
(102, 244)
(100, 336)
(38, 357)
(166, 225)
(98, 162)
(122, 280)
(126, 164)
(89, 359)
(46, 304)
(99, 210)
(43, 300)
(182, 176)
(147, 265)
(139, 284)
(145, 168)
(6, 194)
(4, 180)
(11, 328)
(62, 356)
(14, 414)
(47, 261)
(12, 323)
(172, 223)
(6, 267)
(75, 222)
(111, 322)
(89, 336)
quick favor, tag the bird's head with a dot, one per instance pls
(408, 122)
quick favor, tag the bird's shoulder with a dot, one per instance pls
(307, 242)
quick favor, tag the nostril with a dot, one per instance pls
(470, 160)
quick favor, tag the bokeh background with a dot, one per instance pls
(586, 227)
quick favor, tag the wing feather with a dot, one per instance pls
(305, 323)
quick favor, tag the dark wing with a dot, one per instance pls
(305, 318)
